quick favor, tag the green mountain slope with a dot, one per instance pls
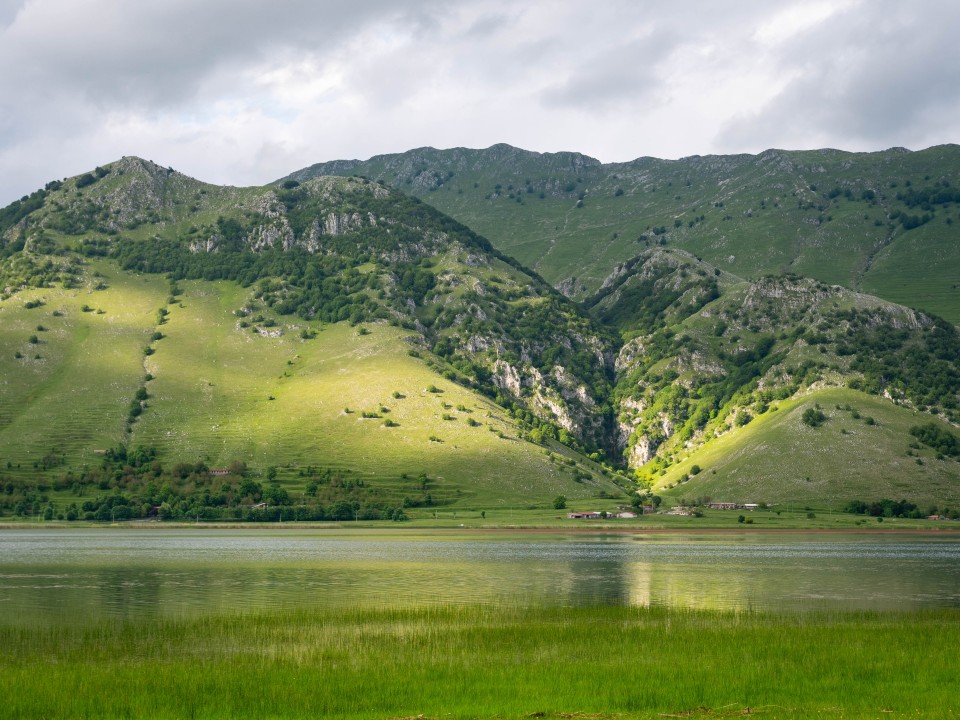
(334, 324)
(863, 450)
(218, 393)
(335, 345)
(878, 222)
(706, 353)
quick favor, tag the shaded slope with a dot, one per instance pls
(839, 217)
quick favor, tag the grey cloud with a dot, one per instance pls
(876, 76)
(487, 25)
(622, 74)
(9, 10)
(83, 81)
(154, 53)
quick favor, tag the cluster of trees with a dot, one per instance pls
(940, 439)
(134, 484)
(814, 417)
(17, 211)
(887, 508)
(922, 366)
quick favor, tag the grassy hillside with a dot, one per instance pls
(219, 393)
(863, 450)
(845, 218)
(66, 395)
(222, 393)
(335, 346)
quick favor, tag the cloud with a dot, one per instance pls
(874, 75)
(244, 91)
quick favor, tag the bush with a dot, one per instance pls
(559, 502)
(813, 417)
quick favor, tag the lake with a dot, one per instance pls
(86, 575)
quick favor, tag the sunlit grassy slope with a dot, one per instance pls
(779, 459)
(69, 392)
(221, 392)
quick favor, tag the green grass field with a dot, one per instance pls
(68, 393)
(221, 392)
(487, 662)
(779, 459)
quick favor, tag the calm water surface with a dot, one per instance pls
(88, 575)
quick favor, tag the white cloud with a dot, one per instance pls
(244, 91)
(794, 20)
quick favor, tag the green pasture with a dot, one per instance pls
(487, 662)
(777, 458)
(260, 394)
(222, 392)
(68, 393)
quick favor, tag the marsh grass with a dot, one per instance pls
(486, 662)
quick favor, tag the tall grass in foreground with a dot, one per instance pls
(486, 662)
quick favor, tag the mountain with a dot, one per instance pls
(880, 223)
(710, 360)
(335, 347)
(333, 326)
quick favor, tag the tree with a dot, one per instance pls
(559, 502)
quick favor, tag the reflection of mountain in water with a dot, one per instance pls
(76, 577)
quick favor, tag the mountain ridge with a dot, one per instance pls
(668, 358)
(773, 212)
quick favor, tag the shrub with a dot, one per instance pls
(813, 417)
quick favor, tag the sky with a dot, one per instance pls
(242, 92)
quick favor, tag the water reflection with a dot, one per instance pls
(71, 576)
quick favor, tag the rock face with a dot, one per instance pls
(711, 368)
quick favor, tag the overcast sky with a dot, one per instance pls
(244, 91)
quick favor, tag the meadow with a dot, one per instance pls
(283, 394)
(862, 450)
(487, 662)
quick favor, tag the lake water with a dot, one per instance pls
(54, 576)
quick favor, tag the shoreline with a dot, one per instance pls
(524, 529)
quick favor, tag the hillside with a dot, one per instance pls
(333, 325)
(332, 343)
(709, 361)
(880, 223)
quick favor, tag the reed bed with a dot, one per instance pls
(487, 662)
